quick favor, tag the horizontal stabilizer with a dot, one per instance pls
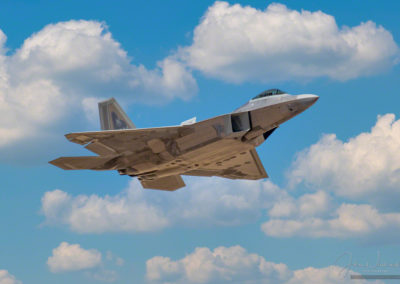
(165, 183)
(85, 163)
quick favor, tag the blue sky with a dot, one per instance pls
(334, 170)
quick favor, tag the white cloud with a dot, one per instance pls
(70, 257)
(236, 265)
(318, 203)
(228, 202)
(57, 71)
(83, 56)
(138, 210)
(6, 277)
(348, 221)
(93, 214)
(365, 167)
(91, 109)
(233, 264)
(240, 43)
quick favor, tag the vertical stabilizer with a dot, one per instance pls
(112, 116)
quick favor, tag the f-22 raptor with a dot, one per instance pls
(222, 146)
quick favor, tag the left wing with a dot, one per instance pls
(244, 165)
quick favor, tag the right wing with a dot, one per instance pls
(244, 165)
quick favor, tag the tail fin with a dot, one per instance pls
(113, 117)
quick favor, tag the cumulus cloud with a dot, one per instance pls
(365, 167)
(94, 214)
(314, 204)
(222, 265)
(58, 71)
(348, 221)
(7, 278)
(235, 265)
(70, 257)
(138, 210)
(240, 43)
(229, 203)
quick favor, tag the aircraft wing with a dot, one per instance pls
(244, 165)
(111, 142)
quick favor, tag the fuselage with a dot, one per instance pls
(222, 146)
(208, 142)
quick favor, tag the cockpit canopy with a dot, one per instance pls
(268, 93)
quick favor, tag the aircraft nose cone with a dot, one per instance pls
(307, 100)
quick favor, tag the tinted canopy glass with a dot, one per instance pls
(268, 93)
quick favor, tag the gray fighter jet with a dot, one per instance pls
(222, 146)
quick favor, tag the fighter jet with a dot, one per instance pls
(222, 146)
